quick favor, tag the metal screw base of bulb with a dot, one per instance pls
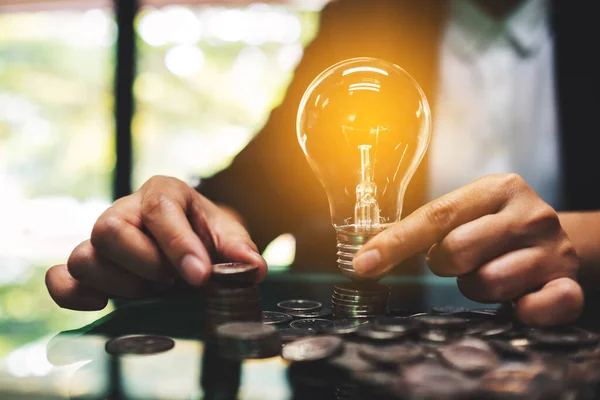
(348, 243)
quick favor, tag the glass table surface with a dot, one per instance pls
(81, 367)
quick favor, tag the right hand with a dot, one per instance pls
(143, 241)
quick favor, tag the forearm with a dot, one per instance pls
(583, 228)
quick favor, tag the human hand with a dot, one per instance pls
(501, 241)
(143, 241)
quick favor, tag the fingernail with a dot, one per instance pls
(191, 267)
(255, 254)
(367, 262)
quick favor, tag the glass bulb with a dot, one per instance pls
(364, 125)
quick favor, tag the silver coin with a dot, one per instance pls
(364, 289)
(290, 334)
(395, 324)
(471, 356)
(274, 317)
(312, 348)
(139, 344)
(448, 310)
(446, 322)
(314, 324)
(232, 268)
(245, 330)
(562, 337)
(394, 354)
(370, 332)
(323, 312)
(345, 326)
(299, 305)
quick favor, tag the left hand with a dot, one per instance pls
(501, 241)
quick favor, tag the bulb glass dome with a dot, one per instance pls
(364, 125)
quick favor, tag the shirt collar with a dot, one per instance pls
(471, 30)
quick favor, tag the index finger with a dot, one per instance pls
(164, 214)
(433, 221)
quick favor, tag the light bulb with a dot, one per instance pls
(364, 125)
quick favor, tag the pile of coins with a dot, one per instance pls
(359, 350)
(360, 300)
(457, 355)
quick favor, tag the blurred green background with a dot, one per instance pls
(208, 76)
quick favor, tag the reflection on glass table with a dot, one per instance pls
(79, 364)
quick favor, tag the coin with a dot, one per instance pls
(245, 330)
(139, 344)
(390, 355)
(512, 380)
(344, 326)
(562, 337)
(349, 359)
(509, 350)
(232, 268)
(366, 288)
(323, 312)
(312, 348)
(471, 356)
(299, 305)
(290, 334)
(395, 324)
(497, 329)
(372, 333)
(445, 322)
(274, 317)
(448, 310)
(359, 300)
(432, 381)
(242, 340)
(314, 324)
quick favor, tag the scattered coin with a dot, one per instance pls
(392, 355)
(312, 348)
(471, 356)
(349, 360)
(299, 305)
(445, 322)
(562, 337)
(314, 324)
(290, 334)
(322, 312)
(371, 332)
(513, 380)
(395, 324)
(345, 326)
(509, 350)
(433, 381)
(448, 310)
(274, 317)
(496, 329)
(139, 344)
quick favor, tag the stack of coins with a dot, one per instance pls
(244, 340)
(360, 300)
(231, 295)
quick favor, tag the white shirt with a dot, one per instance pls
(495, 109)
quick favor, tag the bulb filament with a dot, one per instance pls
(366, 210)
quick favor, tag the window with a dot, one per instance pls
(208, 78)
(56, 156)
